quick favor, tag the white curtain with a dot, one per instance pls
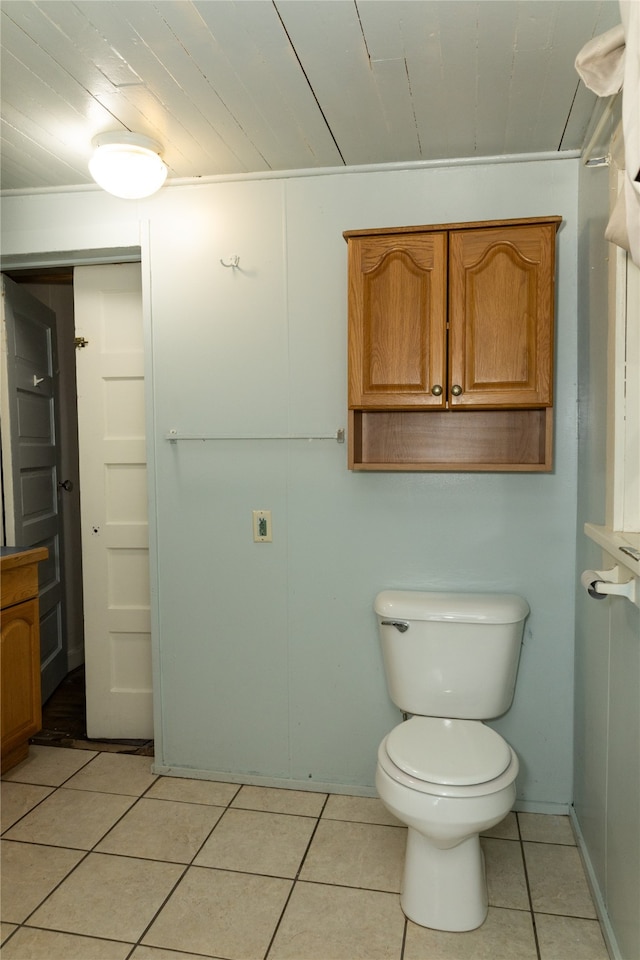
(607, 64)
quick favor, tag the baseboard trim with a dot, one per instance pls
(542, 806)
(311, 786)
(596, 893)
(318, 786)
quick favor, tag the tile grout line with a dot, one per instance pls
(404, 938)
(131, 947)
(86, 853)
(296, 878)
(53, 787)
(80, 936)
(187, 867)
(82, 859)
(529, 897)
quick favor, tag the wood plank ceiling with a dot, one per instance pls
(249, 86)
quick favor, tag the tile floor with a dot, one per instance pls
(103, 860)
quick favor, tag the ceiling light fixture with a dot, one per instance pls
(127, 165)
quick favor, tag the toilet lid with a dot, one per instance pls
(454, 752)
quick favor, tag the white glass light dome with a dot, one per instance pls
(127, 165)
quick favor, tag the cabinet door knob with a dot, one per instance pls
(456, 389)
(436, 390)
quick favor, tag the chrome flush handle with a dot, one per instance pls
(400, 625)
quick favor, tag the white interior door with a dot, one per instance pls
(113, 501)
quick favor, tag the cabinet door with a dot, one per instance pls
(501, 300)
(20, 654)
(397, 320)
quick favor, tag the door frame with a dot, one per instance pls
(118, 254)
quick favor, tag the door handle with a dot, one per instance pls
(65, 485)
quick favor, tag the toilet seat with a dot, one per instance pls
(448, 758)
(441, 750)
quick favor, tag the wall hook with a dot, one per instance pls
(231, 261)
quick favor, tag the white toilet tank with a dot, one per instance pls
(451, 654)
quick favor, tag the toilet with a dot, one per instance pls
(450, 661)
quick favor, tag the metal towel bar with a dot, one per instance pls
(173, 436)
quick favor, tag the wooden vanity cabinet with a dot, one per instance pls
(21, 710)
(451, 346)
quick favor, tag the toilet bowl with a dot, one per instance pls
(444, 884)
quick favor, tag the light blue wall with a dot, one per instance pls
(607, 668)
(267, 659)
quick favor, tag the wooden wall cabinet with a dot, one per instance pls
(451, 346)
(19, 653)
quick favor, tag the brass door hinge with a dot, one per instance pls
(79, 342)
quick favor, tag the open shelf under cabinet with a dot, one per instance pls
(460, 440)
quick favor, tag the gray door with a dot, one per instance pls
(32, 485)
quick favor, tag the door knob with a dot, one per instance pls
(436, 390)
(65, 485)
(456, 389)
